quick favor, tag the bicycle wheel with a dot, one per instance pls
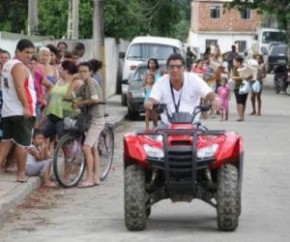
(69, 160)
(106, 151)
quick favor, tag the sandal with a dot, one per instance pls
(86, 184)
(50, 185)
(22, 180)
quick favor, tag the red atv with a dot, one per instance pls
(183, 162)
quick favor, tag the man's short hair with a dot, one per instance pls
(23, 44)
(175, 56)
(79, 46)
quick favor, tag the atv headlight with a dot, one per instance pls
(206, 152)
(153, 151)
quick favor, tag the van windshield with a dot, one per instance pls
(270, 36)
(143, 51)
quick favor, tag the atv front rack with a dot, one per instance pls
(180, 162)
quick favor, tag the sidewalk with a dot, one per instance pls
(13, 193)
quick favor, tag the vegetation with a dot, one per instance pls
(122, 18)
(280, 9)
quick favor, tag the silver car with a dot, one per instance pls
(136, 94)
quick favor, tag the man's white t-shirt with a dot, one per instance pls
(193, 89)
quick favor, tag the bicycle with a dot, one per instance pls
(69, 161)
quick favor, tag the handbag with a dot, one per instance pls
(256, 87)
(245, 87)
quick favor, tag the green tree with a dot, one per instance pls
(122, 18)
(280, 9)
(128, 18)
(53, 18)
(13, 15)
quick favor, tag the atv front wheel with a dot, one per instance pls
(135, 198)
(228, 198)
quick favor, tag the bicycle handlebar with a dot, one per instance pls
(73, 101)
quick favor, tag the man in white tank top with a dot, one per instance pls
(18, 110)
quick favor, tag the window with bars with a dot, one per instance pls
(241, 45)
(215, 12)
(209, 42)
(246, 14)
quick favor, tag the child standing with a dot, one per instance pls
(148, 84)
(38, 162)
(224, 93)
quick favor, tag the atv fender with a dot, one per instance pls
(134, 151)
(230, 151)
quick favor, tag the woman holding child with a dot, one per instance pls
(241, 99)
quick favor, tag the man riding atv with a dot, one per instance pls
(181, 159)
(180, 90)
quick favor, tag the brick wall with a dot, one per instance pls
(229, 21)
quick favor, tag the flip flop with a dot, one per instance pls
(86, 185)
(22, 180)
(52, 185)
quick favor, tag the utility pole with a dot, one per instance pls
(75, 19)
(69, 20)
(98, 39)
(32, 17)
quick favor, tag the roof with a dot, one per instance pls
(157, 40)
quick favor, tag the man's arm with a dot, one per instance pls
(19, 74)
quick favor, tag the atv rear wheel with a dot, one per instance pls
(228, 198)
(135, 198)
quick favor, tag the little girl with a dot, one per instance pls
(148, 84)
(224, 93)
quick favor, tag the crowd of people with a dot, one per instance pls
(223, 74)
(34, 84)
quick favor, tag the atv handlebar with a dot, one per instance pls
(181, 117)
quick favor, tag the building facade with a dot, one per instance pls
(213, 23)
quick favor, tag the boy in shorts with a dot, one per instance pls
(38, 162)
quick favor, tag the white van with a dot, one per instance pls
(143, 48)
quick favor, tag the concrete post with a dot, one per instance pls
(32, 17)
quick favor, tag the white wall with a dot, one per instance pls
(225, 40)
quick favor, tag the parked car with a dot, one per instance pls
(135, 93)
(143, 48)
(278, 55)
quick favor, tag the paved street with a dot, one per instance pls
(96, 214)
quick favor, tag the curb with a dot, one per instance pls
(22, 190)
(18, 194)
